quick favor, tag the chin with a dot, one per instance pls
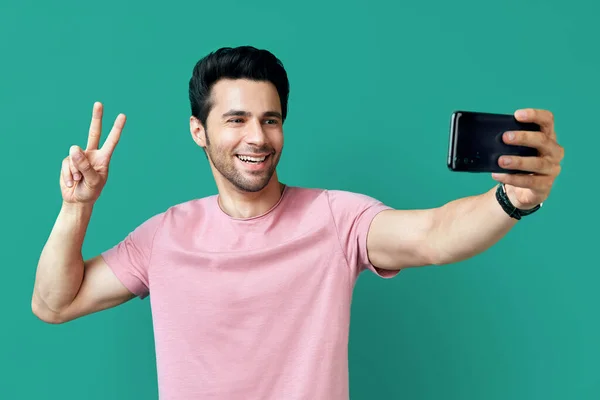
(251, 185)
(245, 177)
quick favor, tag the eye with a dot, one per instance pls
(272, 121)
(235, 120)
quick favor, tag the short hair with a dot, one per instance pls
(243, 62)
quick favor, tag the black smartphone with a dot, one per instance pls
(476, 141)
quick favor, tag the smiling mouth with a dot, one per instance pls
(252, 159)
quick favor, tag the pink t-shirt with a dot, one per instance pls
(255, 308)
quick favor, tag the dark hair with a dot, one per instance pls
(244, 62)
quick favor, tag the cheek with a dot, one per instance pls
(276, 140)
(225, 140)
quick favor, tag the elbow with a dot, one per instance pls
(45, 314)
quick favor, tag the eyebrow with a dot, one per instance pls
(240, 113)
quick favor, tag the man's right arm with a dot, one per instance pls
(67, 286)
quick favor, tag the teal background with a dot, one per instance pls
(373, 85)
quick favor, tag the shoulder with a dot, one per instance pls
(192, 205)
(308, 193)
(190, 210)
(353, 201)
(177, 215)
(337, 201)
(297, 194)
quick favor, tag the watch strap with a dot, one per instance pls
(509, 208)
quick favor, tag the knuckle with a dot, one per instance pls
(529, 180)
(556, 170)
(541, 164)
(85, 166)
(534, 113)
(92, 184)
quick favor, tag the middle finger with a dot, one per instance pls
(537, 140)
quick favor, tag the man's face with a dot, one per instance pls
(244, 134)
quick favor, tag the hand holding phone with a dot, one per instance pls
(527, 163)
(477, 141)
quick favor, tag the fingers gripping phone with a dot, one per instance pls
(476, 141)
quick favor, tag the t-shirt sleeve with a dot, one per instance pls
(130, 258)
(352, 215)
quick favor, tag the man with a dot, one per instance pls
(251, 288)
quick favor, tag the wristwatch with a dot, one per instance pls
(509, 208)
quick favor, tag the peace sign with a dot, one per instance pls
(84, 172)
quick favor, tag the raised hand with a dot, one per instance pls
(533, 187)
(84, 172)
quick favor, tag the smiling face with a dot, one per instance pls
(243, 137)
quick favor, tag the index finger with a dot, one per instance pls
(544, 118)
(114, 135)
(95, 127)
(537, 140)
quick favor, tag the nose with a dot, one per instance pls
(255, 133)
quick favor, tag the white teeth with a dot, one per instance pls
(252, 159)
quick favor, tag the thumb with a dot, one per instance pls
(83, 165)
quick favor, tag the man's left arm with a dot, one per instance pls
(468, 226)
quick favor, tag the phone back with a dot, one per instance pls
(476, 141)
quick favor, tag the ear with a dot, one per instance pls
(198, 132)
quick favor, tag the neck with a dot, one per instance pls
(239, 204)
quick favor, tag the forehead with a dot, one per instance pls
(247, 95)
